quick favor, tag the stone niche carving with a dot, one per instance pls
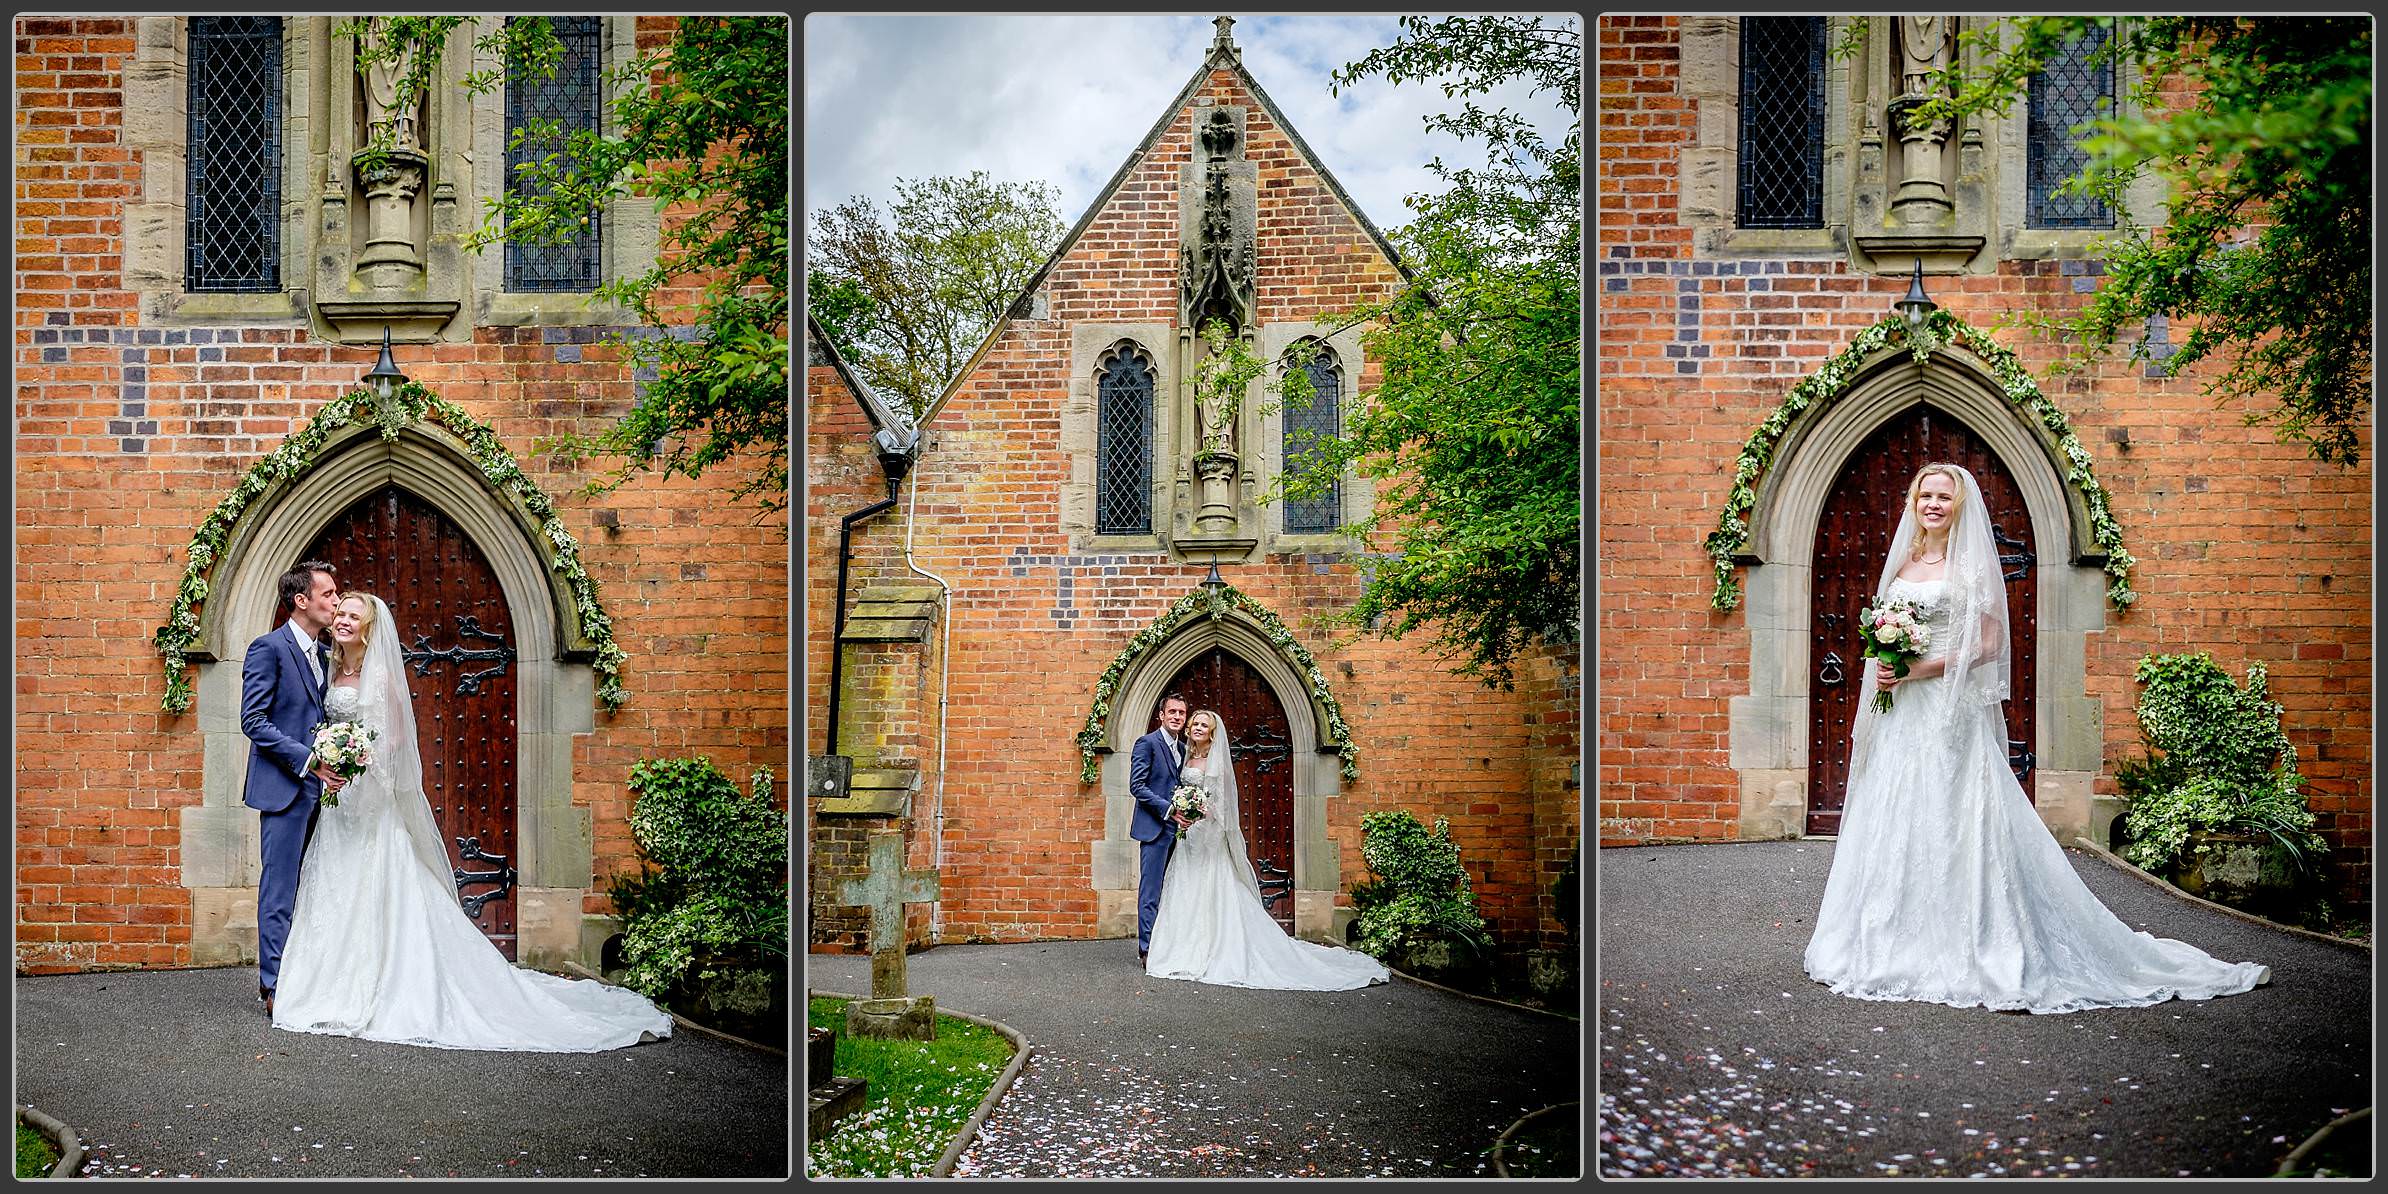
(1920, 197)
(1218, 222)
(387, 250)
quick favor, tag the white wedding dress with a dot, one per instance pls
(379, 947)
(1212, 926)
(1947, 888)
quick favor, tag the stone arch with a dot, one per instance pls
(555, 694)
(1317, 774)
(1769, 742)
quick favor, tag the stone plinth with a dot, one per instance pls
(911, 1018)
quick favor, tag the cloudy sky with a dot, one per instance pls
(1064, 99)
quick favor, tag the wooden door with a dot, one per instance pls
(1258, 731)
(458, 641)
(1860, 516)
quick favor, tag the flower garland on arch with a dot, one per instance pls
(1732, 532)
(410, 403)
(1213, 602)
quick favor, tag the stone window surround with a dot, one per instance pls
(1172, 425)
(1359, 492)
(314, 169)
(1769, 725)
(1317, 777)
(555, 696)
(1710, 78)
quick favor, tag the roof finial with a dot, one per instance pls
(1223, 43)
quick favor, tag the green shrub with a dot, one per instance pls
(710, 898)
(1420, 893)
(2226, 766)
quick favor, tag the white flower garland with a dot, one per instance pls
(1204, 602)
(2014, 381)
(410, 403)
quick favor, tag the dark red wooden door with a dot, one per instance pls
(1860, 516)
(1256, 724)
(458, 641)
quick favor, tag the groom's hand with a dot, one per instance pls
(332, 781)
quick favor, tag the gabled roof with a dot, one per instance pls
(1223, 53)
(895, 432)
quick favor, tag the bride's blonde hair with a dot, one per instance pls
(1915, 487)
(364, 631)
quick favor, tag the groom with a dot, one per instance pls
(1152, 779)
(281, 703)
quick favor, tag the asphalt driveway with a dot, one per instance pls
(176, 1073)
(1136, 1076)
(1718, 1055)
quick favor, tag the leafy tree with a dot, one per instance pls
(702, 129)
(1472, 435)
(917, 290)
(2265, 253)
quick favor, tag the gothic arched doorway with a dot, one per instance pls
(1860, 514)
(457, 636)
(1218, 679)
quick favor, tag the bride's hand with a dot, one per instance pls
(1885, 678)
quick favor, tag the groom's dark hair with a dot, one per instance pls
(1179, 697)
(301, 578)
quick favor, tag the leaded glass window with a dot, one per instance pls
(1124, 384)
(2070, 90)
(570, 99)
(1782, 122)
(1305, 426)
(232, 228)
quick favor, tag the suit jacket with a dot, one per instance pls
(1152, 776)
(280, 706)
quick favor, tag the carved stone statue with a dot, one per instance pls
(1923, 49)
(381, 78)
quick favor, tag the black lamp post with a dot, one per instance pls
(385, 377)
(1214, 581)
(1917, 306)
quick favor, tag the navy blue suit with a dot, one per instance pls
(280, 705)
(1152, 776)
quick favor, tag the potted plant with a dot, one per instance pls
(1417, 915)
(2215, 809)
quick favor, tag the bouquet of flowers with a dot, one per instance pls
(1190, 802)
(346, 748)
(1893, 632)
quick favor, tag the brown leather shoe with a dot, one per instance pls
(266, 995)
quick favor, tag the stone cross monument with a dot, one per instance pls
(889, 1012)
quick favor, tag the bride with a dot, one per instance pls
(379, 947)
(1211, 926)
(1945, 886)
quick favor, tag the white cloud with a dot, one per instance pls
(1064, 99)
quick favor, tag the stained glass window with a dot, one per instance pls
(1124, 441)
(1782, 122)
(1304, 427)
(232, 230)
(569, 98)
(2069, 90)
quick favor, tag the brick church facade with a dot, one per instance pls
(1760, 208)
(202, 273)
(1011, 620)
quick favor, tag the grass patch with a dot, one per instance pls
(1550, 1146)
(920, 1095)
(35, 1154)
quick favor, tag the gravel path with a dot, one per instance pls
(176, 1073)
(1719, 1056)
(1135, 1076)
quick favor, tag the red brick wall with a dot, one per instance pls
(2248, 549)
(1017, 823)
(696, 586)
